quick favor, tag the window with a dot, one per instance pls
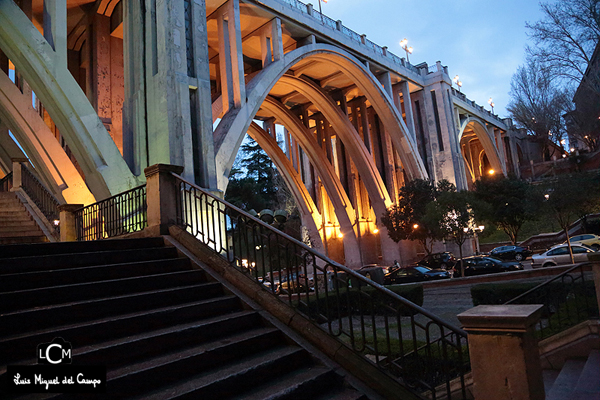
(579, 250)
(558, 252)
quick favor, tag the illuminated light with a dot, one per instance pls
(375, 230)
(257, 247)
(415, 226)
(481, 227)
(465, 230)
(410, 50)
(491, 172)
(564, 141)
(340, 235)
(572, 149)
(403, 42)
(56, 222)
(244, 263)
(455, 79)
(564, 156)
(547, 196)
(585, 137)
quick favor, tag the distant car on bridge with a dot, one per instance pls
(559, 255)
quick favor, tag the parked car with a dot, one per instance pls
(559, 255)
(588, 239)
(511, 253)
(416, 273)
(479, 265)
(444, 260)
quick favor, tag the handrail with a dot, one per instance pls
(117, 215)
(6, 182)
(41, 196)
(567, 300)
(403, 339)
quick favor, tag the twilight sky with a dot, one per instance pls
(483, 41)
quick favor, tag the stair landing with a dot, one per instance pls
(16, 224)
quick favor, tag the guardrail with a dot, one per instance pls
(402, 339)
(6, 183)
(115, 216)
(325, 20)
(568, 299)
(43, 199)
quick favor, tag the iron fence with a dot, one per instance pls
(115, 216)
(6, 183)
(404, 340)
(43, 199)
(567, 299)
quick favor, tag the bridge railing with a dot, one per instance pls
(417, 348)
(568, 299)
(476, 106)
(118, 215)
(303, 8)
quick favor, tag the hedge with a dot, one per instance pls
(367, 299)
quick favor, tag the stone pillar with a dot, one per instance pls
(68, 229)
(595, 259)
(231, 62)
(55, 29)
(161, 194)
(408, 110)
(16, 170)
(505, 359)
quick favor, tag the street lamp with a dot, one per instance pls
(408, 50)
(458, 82)
(321, 12)
(491, 103)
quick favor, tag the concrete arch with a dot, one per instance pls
(291, 178)
(235, 122)
(342, 205)
(484, 138)
(46, 72)
(50, 159)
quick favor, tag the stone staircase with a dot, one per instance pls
(16, 225)
(579, 379)
(163, 327)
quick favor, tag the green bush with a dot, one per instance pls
(363, 300)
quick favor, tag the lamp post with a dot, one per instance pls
(321, 12)
(491, 103)
(458, 82)
(408, 50)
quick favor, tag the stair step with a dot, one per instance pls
(26, 222)
(88, 259)
(107, 343)
(588, 385)
(80, 247)
(24, 239)
(15, 218)
(235, 378)
(21, 233)
(24, 299)
(83, 311)
(565, 383)
(67, 276)
(151, 374)
(308, 382)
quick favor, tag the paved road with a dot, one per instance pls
(448, 302)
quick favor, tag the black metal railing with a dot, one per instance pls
(404, 340)
(37, 192)
(6, 183)
(567, 299)
(115, 216)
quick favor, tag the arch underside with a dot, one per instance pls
(478, 150)
(339, 124)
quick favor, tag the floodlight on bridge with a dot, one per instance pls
(491, 103)
(408, 50)
(458, 82)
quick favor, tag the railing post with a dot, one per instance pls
(161, 195)
(17, 180)
(505, 359)
(595, 259)
(68, 228)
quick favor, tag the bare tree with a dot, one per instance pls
(538, 104)
(565, 38)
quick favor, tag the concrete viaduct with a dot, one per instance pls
(95, 91)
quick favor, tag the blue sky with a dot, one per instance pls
(483, 41)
